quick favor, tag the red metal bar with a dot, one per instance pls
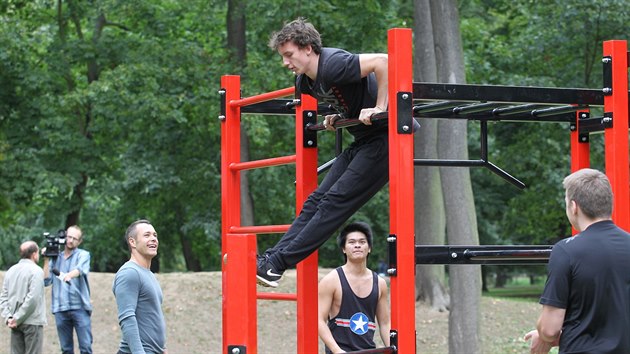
(616, 137)
(262, 97)
(267, 229)
(230, 213)
(401, 171)
(307, 274)
(240, 286)
(580, 149)
(275, 161)
(277, 296)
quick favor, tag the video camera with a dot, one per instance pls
(53, 242)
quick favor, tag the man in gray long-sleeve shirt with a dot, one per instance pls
(139, 296)
(22, 301)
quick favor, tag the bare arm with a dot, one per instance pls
(549, 323)
(325, 296)
(382, 311)
(377, 64)
(548, 330)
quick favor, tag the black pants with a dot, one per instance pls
(359, 172)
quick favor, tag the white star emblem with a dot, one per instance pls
(360, 325)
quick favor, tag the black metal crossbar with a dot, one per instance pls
(512, 94)
(385, 350)
(482, 254)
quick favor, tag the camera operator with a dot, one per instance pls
(71, 305)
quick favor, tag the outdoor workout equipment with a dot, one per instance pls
(406, 101)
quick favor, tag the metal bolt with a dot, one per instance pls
(221, 92)
(391, 239)
(405, 128)
(606, 120)
(606, 60)
(222, 117)
(236, 350)
(405, 96)
(453, 255)
(606, 90)
(391, 271)
(583, 115)
(309, 114)
(392, 334)
(583, 138)
(572, 127)
(309, 143)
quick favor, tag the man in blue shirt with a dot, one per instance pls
(139, 295)
(71, 305)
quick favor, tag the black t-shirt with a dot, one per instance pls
(339, 84)
(589, 276)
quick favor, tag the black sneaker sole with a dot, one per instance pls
(267, 283)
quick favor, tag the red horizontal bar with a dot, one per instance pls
(275, 161)
(268, 229)
(262, 97)
(277, 296)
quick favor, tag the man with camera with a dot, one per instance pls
(67, 271)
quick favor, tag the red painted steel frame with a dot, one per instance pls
(239, 243)
(616, 138)
(239, 317)
(401, 182)
(307, 275)
(580, 150)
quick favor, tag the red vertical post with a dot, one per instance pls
(580, 146)
(401, 184)
(238, 283)
(616, 136)
(306, 182)
(239, 297)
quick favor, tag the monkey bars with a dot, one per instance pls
(406, 100)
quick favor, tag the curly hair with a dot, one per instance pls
(299, 31)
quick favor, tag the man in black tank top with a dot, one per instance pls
(352, 298)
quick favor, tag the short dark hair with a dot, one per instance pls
(299, 31)
(131, 230)
(591, 191)
(359, 226)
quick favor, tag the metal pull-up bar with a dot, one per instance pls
(482, 254)
(483, 162)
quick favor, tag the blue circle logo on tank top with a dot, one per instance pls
(359, 323)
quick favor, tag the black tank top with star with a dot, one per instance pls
(354, 326)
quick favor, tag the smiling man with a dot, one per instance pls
(139, 295)
(352, 298)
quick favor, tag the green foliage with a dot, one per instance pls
(111, 109)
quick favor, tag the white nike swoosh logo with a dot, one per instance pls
(272, 274)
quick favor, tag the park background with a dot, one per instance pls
(109, 113)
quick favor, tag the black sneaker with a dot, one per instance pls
(266, 274)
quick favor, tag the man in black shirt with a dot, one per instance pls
(586, 300)
(354, 85)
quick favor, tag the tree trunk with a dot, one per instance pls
(461, 220)
(430, 219)
(236, 44)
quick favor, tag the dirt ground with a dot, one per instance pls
(192, 306)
